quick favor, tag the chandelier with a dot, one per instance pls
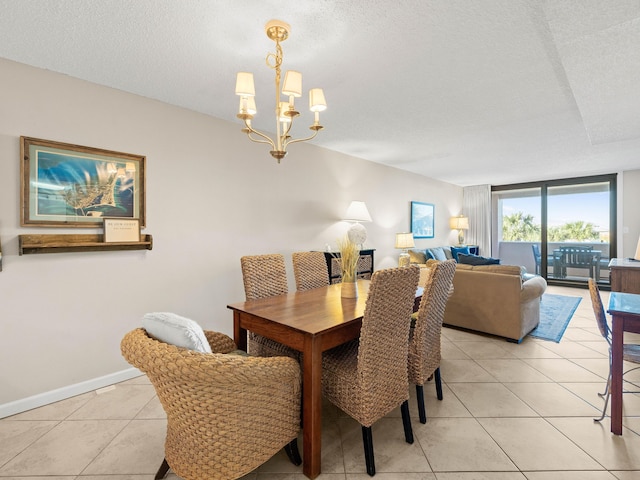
(278, 31)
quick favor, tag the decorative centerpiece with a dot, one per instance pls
(348, 261)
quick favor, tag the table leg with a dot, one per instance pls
(617, 340)
(239, 334)
(312, 407)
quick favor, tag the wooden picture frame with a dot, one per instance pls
(422, 220)
(121, 230)
(66, 185)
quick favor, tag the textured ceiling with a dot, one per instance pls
(468, 92)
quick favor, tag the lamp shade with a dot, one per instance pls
(357, 212)
(637, 256)
(292, 83)
(248, 104)
(244, 84)
(251, 105)
(284, 106)
(459, 223)
(404, 240)
(317, 103)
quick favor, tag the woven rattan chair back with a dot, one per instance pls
(598, 310)
(367, 378)
(310, 270)
(384, 339)
(220, 424)
(424, 339)
(265, 276)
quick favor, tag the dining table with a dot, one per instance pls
(624, 309)
(311, 322)
(576, 257)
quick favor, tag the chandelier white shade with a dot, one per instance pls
(278, 31)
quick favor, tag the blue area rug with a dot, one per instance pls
(555, 313)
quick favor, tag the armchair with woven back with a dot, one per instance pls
(227, 412)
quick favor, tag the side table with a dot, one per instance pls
(365, 265)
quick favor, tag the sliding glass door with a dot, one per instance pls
(563, 230)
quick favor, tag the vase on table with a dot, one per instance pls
(349, 290)
(349, 256)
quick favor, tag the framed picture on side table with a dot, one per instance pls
(65, 185)
(422, 220)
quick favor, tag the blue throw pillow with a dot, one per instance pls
(477, 260)
(436, 253)
(456, 250)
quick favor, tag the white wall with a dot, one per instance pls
(630, 214)
(212, 196)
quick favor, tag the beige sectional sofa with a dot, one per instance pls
(495, 299)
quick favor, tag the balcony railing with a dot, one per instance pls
(560, 265)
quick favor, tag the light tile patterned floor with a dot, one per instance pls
(509, 412)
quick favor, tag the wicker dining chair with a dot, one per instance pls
(310, 270)
(630, 351)
(265, 276)
(424, 338)
(226, 413)
(367, 377)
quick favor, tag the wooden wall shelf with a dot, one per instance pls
(29, 244)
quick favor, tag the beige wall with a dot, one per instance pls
(630, 213)
(212, 196)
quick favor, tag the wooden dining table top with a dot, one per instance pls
(311, 311)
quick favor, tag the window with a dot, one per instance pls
(562, 229)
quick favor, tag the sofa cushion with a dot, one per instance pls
(463, 266)
(176, 330)
(477, 260)
(437, 253)
(456, 250)
(502, 269)
(425, 274)
(417, 256)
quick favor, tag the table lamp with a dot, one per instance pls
(459, 223)
(357, 212)
(404, 241)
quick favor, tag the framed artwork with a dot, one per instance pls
(422, 220)
(66, 185)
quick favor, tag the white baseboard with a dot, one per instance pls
(41, 399)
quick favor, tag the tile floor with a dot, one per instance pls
(509, 412)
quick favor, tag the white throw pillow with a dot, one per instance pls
(176, 330)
